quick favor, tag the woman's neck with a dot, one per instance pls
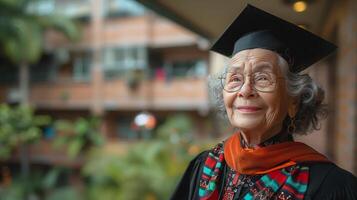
(253, 140)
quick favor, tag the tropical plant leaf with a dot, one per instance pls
(50, 179)
(64, 193)
(26, 45)
(61, 24)
(74, 148)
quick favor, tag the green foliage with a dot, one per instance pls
(50, 179)
(134, 77)
(149, 170)
(18, 126)
(78, 135)
(21, 187)
(61, 24)
(176, 129)
(105, 173)
(27, 35)
(14, 192)
(64, 193)
(22, 31)
(39, 185)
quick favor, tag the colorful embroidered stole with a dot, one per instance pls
(287, 183)
(211, 171)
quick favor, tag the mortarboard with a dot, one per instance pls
(255, 28)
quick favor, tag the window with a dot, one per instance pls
(82, 66)
(186, 68)
(41, 7)
(44, 70)
(71, 8)
(123, 8)
(119, 60)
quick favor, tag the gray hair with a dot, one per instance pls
(299, 86)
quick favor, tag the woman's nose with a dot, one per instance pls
(247, 90)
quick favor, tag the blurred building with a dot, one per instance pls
(129, 60)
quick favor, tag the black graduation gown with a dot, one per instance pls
(326, 181)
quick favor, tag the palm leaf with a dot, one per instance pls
(62, 24)
(22, 32)
(25, 45)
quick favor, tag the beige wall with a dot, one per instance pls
(346, 110)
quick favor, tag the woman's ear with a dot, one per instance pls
(293, 107)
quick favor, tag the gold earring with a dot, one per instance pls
(292, 127)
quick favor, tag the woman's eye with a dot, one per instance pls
(235, 79)
(262, 77)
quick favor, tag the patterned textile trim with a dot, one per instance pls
(237, 184)
(286, 184)
(289, 183)
(211, 170)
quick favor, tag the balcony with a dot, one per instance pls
(176, 94)
(182, 94)
(61, 95)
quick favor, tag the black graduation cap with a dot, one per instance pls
(255, 28)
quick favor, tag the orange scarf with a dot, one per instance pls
(267, 159)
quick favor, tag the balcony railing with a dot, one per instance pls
(183, 94)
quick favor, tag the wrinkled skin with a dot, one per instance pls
(258, 115)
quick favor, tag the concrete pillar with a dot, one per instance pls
(97, 64)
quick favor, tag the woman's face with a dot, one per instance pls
(252, 110)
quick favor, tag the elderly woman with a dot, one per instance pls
(267, 99)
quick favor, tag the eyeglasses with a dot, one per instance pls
(261, 81)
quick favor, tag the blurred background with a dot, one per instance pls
(108, 99)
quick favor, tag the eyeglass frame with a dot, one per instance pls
(250, 81)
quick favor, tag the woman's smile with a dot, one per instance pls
(248, 109)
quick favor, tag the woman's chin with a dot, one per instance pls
(247, 127)
(247, 123)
